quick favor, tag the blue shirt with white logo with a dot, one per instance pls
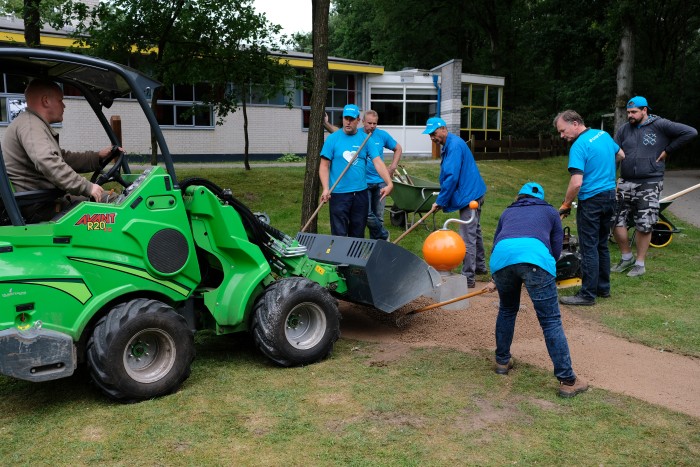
(593, 153)
(381, 139)
(339, 148)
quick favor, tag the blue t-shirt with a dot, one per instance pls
(339, 148)
(381, 139)
(593, 153)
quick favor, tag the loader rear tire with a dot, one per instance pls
(296, 322)
(140, 350)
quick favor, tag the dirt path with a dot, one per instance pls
(608, 362)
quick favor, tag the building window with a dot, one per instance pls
(481, 111)
(182, 107)
(403, 105)
(343, 89)
(11, 97)
(257, 96)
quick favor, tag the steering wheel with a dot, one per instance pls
(113, 174)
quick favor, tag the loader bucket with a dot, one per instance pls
(377, 273)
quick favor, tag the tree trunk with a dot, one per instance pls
(32, 23)
(312, 183)
(625, 74)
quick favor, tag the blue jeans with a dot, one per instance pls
(594, 217)
(349, 213)
(475, 259)
(375, 216)
(542, 288)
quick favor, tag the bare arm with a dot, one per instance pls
(327, 124)
(573, 189)
(324, 171)
(384, 173)
(395, 161)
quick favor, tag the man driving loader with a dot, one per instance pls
(35, 160)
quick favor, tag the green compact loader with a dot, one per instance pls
(123, 286)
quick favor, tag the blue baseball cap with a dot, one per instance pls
(639, 102)
(532, 189)
(351, 110)
(433, 124)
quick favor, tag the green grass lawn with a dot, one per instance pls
(429, 407)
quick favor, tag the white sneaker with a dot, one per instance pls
(637, 271)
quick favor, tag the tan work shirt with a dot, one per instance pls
(35, 161)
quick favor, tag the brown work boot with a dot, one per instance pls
(571, 388)
(503, 369)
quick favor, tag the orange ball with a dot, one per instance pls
(444, 250)
(473, 204)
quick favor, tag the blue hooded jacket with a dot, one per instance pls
(460, 180)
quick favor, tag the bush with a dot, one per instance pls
(290, 157)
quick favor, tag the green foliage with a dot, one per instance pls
(554, 54)
(208, 41)
(302, 42)
(290, 157)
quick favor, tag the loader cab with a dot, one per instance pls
(100, 82)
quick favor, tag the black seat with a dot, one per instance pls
(11, 215)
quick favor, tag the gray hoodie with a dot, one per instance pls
(644, 143)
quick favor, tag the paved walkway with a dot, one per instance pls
(686, 207)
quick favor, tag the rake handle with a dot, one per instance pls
(679, 194)
(432, 210)
(447, 302)
(342, 174)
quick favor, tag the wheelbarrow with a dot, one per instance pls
(412, 197)
(662, 232)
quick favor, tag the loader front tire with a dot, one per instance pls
(296, 322)
(140, 350)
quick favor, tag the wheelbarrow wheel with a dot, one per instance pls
(661, 234)
(398, 217)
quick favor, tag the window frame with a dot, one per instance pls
(175, 104)
(353, 91)
(409, 118)
(485, 111)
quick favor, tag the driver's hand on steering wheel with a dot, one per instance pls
(105, 152)
(96, 192)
